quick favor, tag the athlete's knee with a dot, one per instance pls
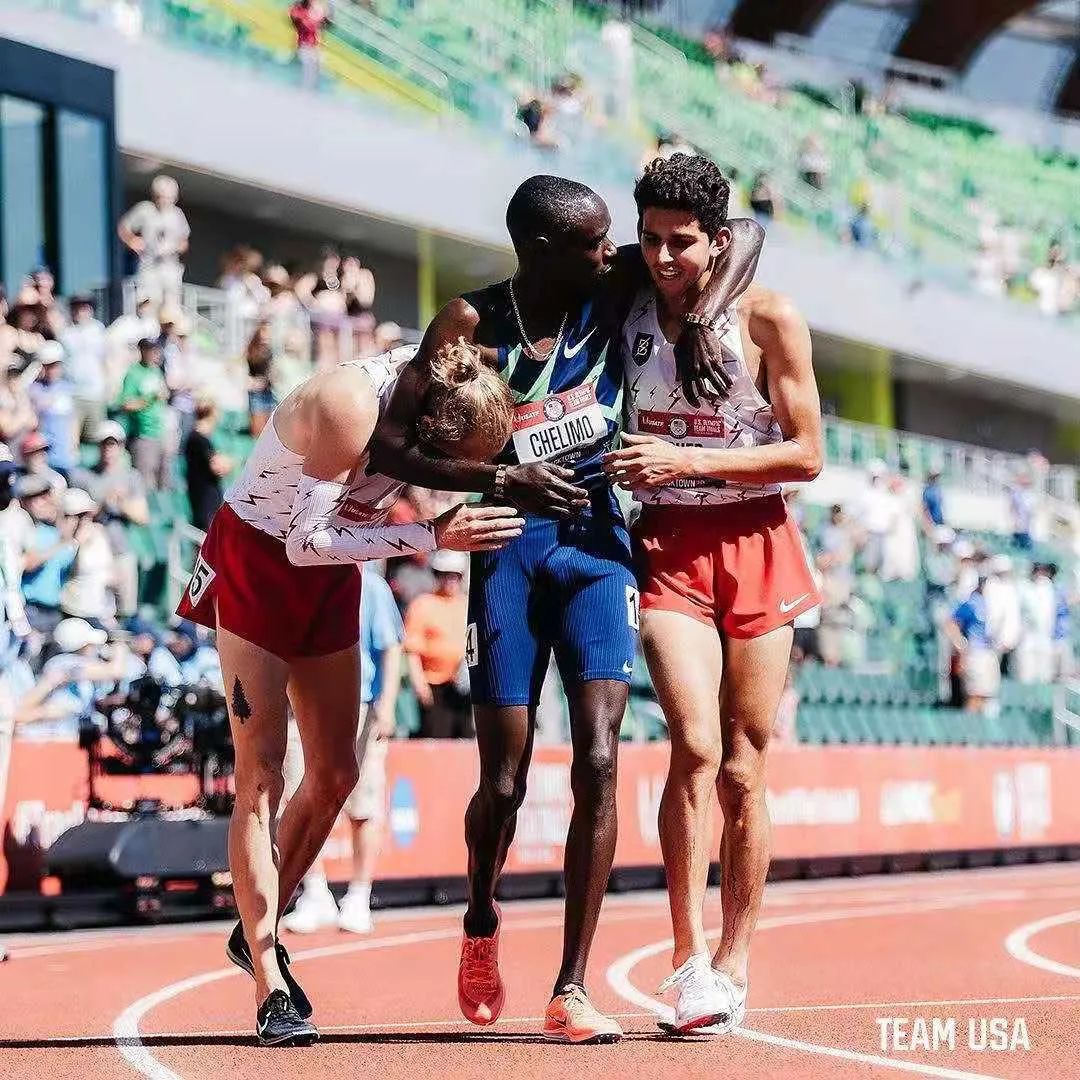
(260, 776)
(742, 779)
(335, 780)
(502, 794)
(595, 767)
(697, 754)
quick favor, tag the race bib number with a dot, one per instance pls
(472, 653)
(545, 430)
(633, 607)
(201, 579)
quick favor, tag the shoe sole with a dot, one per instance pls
(717, 1027)
(604, 1038)
(300, 1038)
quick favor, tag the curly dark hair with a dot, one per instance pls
(685, 182)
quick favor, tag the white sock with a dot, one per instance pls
(315, 883)
(360, 893)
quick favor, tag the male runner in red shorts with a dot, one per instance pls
(278, 578)
(722, 570)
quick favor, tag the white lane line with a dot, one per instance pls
(842, 1007)
(1016, 944)
(127, 1036)
(618, 977)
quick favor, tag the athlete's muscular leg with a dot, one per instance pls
(504, 738)
(754, 673)
(325, 695)
(255, 684)
(685, 659)
(596, 714)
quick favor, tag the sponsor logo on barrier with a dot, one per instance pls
(1023, 806)
(544, 817)
(33, 825)
(814, 806)
(919, 802)
(404, 812)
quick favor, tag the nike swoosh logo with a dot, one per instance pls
(628, 668)
(570, 353)
(786, 606)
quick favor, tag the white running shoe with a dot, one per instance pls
(355, 914)
(700, 1000)
(314, 911)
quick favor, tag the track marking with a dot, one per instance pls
(1016, 944)
(839, 1007)
(618, 977)
(128, 1038)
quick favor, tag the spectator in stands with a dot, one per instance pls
(53, 398)
(204, 466)
(282, 304)
(940, 568)
(967, 571)
(119, 490)
(260, 358)
(357, 287)
(900, 547)
(178, 367)
(14, 628)
(933, 503)
(34, 451)
(17, 416)
(435, 646)
(813, 162)
(388, 336)
(720, 46)
(765, 200)
(126, 331)
(569, 108)
(1054, 283)
(1003, 612)
(157, 231)
(25, 338)
(861, 227)
(49, 549)
(309, 18)
(245, 291)
(1063, 623)
(978, 662)
(86, 346)
(876, 511)
(92, 578)
(1022, 511)
(1039, 607)
(143, 396)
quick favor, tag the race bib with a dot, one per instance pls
(201, 578)
(545, 430)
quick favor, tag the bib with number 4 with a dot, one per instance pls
(560, 423)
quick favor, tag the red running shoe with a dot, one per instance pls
(481, 993)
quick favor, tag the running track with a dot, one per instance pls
(829, 958)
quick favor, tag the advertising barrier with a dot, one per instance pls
(824, 802)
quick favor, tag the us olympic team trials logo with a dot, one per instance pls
(677, 427)
(554, 409)
(404, 812)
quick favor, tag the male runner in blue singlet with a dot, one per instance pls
(567, 583)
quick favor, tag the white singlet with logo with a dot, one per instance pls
(264, 492)
(655, 406)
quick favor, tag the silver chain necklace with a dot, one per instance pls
(530, 348)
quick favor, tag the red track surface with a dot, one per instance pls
(829, 958)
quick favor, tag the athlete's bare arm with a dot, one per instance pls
(537, 487)
(339, 416)
(698, 355)
(777, 330)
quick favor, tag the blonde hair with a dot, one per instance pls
(465, 397)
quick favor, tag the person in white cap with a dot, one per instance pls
(435, 647)
(88, 590)
(53, 397)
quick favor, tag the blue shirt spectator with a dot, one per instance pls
(380, 628)
(932, 500)
(972, 619)
(53, 398)
(42, 585)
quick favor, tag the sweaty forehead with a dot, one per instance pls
(587, 216)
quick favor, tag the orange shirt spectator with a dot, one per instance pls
(435, 629)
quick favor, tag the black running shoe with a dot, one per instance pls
(236, 949)
(279, 1024)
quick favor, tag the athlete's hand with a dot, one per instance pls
(647, 462)
(699, 361)
(477, 528)
(544, 489)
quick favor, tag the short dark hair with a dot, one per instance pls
(543, 205)
(685, 182)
